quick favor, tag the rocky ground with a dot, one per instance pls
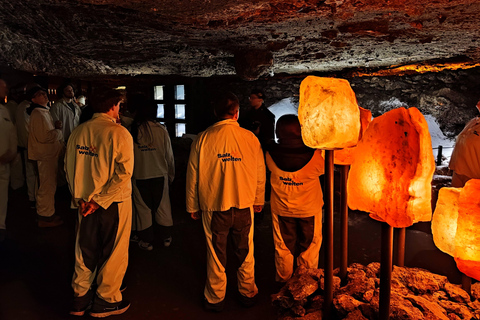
(416, 294)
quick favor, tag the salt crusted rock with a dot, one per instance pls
(416, 295)
(391, 173)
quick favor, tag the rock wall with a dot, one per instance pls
(450, 96)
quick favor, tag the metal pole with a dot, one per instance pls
(328, 236)
(467, 284)
(386, 271)
(400, 246)
(439, 155)
(343, 222)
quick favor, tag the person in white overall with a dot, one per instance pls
(153, 172)
(296, 200)
(225, 185)
(465, 160)
(99, 165)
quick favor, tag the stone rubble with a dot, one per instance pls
(416, 294)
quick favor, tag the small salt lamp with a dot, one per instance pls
(345, 156)
(391, 173)
(455, 226)
(328, 113)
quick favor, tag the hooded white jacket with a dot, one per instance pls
(226, 169)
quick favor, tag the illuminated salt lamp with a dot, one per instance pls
(345, 156)
(391, 173)
(328, 113)
(455, 226)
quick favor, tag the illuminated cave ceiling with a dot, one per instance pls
(202, 38)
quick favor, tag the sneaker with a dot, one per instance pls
(80, 312)
(145, 245)
(103, 311)
(55, 221)
(167, 242)
(134, 238)
(214, 307)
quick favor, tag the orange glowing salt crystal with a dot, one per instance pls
(391, 173)
(455, 226)
(328, 113)
(345, 156)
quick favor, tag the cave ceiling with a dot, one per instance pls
(251, 39)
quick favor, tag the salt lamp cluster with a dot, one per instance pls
(392, 169)
(328, 113)
(345, 156)
(456, 225)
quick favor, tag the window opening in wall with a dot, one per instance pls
(160, 110)
(180, 92)
(158, 92)
(180, 111)
(180, 129)
(172, 107)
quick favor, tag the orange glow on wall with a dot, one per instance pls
(345, 156)
(328, 113)
(417, 68)
(455, 226)
(391, 172)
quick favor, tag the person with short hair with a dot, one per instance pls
(296, 199)
(465, 160)
(99, 166)
(44, 146)
(66, 109)
(225, 185)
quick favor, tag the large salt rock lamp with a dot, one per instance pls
(345, 156)
(328, 113)
(455, 226)
(391, 173)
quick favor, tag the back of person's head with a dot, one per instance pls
(226, 106)
(288, 127)
(105, 98)
(259, 93)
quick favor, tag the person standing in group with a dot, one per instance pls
(296, 200)
(465, 160)
(8, 152)
(225, 185)
(99, 165)
(66, 109)
(154, 171)
(44, 147)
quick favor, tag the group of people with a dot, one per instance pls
(97, 160)
(111, 170)
(226, 179)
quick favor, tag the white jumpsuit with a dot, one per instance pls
(296, 194)
(99, 166)
(8, 150)
(44, 146)
(226, 170)
(22, 123)
(465, 160)
(153, 159)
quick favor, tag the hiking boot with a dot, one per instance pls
(105, 311)
(50, 222)
(167, 242)
(145, 245)
(81, 304)
(214, 307)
